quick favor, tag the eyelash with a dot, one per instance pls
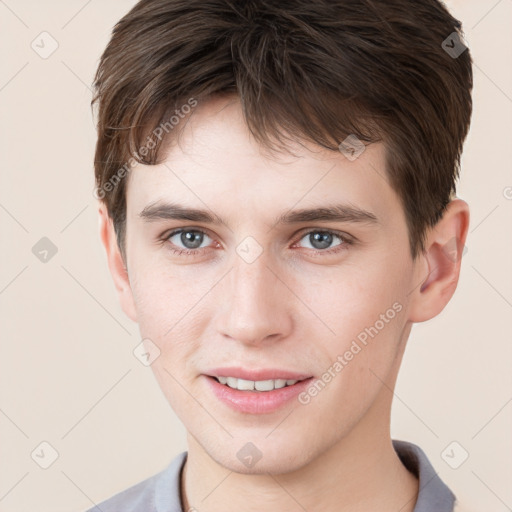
(346, 241)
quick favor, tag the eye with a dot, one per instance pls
(320, 240)
(187, 240)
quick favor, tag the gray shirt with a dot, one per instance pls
(161, 492)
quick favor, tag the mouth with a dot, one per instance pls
(256, 392)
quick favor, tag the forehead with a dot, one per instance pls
(216, 164)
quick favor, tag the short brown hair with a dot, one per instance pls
(312, 70)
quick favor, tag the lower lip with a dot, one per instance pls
(256, 402)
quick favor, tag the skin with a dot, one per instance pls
(294, 307)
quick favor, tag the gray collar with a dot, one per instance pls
(433, 493)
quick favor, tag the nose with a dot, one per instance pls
(254, 303)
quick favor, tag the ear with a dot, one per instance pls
(438, 267)
(116, 264)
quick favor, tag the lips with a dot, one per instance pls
(256, 391)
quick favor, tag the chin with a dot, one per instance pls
(274, 464)
(263, 455)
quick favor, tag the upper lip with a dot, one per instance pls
(257, 374)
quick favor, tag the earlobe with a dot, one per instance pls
(439, 266)
(116, 263)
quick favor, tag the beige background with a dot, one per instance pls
(68, 375)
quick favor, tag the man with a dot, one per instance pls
(277, 203)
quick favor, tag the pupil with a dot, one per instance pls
(320, 240)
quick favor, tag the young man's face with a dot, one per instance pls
(264, 299)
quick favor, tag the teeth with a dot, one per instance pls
(245, 385)
(266, 385)
(258, 385)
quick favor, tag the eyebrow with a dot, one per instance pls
(340, 213)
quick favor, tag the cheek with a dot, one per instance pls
(365, 307)
(166, 316)
(164, 294)
(368, 322)
(350, 300)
